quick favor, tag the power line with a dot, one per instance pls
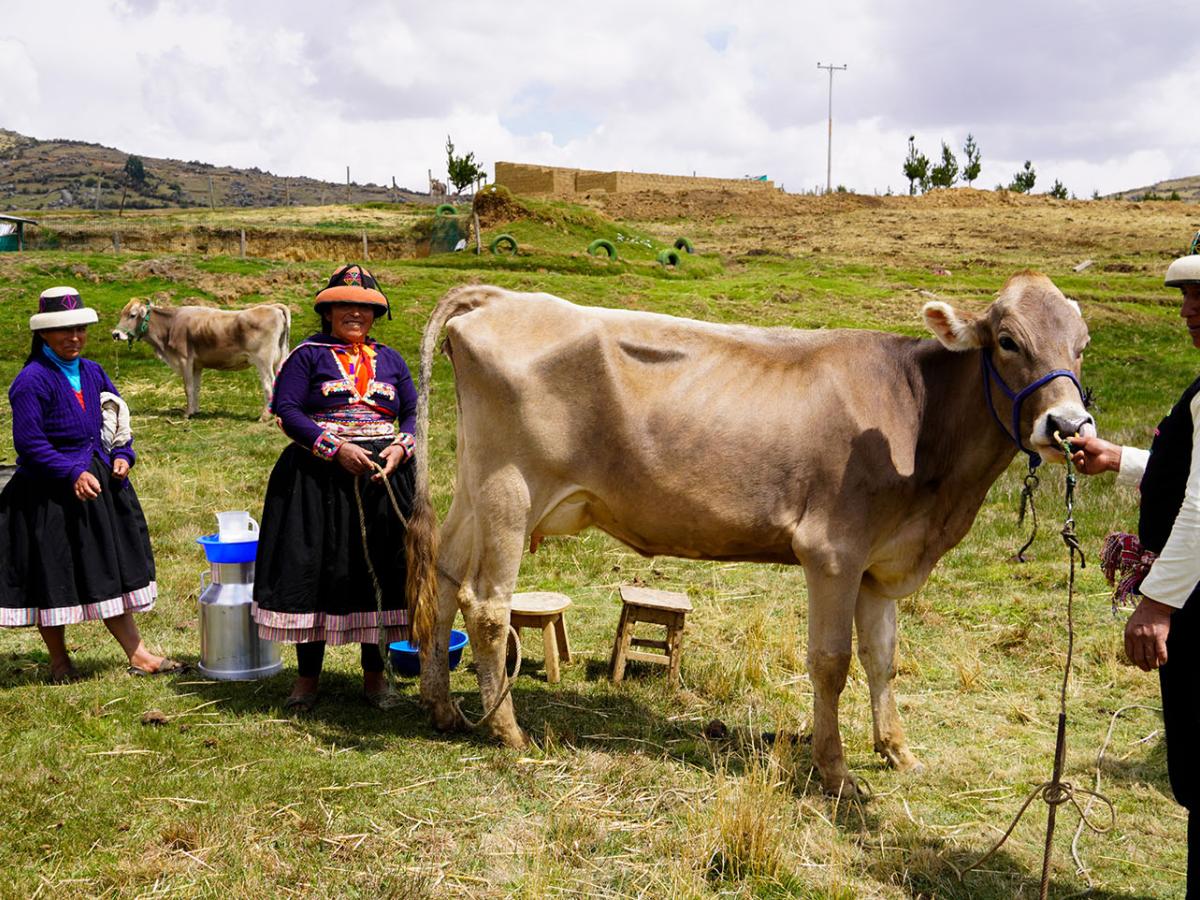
(829, 145)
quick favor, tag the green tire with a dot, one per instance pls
(503, 241)
(446, 209)
(602, 244)
(684, 244)
(669, 257)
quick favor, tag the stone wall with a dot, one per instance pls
(561, 182)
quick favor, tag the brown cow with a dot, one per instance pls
(191, 338)
(862, 456)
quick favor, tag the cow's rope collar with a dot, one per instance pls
(1018, 398)
(144, 325)
(1056, 792)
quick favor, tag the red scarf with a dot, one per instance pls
(357, 362)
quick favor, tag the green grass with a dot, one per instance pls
(623, 796)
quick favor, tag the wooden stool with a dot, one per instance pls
(666, 608)
(544, 610)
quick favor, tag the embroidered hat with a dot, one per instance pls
(353, 284)
(61, 307)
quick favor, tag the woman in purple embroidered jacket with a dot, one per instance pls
(348, 404)
(73, 541)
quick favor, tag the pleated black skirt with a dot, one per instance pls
(65, 560)
(311, 581)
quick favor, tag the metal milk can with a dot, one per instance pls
(230, 648)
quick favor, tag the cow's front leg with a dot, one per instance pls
(191, 387)
(875, 620)
(831, 599)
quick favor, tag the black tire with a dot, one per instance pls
(602, 244)
(684, 244)
(502, 241)
(670, 258)
(446, 209)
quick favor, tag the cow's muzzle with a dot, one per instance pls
(1068, 424)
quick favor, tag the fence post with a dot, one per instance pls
(366, 253)
(116, 242)
(243, 243)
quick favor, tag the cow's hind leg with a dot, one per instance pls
(875, 621)
(500, 514)
(266, 379)
(831, 597)
(435, 671)
(191, 387)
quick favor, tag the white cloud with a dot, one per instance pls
(1090, 92)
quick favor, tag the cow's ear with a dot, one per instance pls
(957, 330)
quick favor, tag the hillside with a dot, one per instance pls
(1187, 188)
(58, 174)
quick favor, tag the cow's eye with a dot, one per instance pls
(1007, 343)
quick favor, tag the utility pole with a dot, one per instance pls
(829, 145)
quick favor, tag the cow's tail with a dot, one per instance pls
(421, 541)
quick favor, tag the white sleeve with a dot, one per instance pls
(1176, 572)
(1133, 466)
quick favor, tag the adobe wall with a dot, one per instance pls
(521, 178)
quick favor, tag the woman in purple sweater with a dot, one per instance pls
(348, 404)
(73, 541)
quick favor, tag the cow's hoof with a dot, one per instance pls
(514, 737)
(842, 786)
(901, 759)
(446, 717)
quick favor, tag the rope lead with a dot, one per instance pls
(1056, 792)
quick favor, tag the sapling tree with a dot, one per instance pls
(971, 164)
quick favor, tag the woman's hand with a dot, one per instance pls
(87, 487)
(1093, 455)
(392, 455)
(353, 458)
(1146, 634)
(120, 467)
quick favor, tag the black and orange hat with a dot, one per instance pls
(353, 284)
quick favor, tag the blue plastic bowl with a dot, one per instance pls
(406, 661)
(219, 551)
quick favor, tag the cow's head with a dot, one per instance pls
(134, 319)
(1029, 333)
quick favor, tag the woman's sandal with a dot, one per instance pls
(301, 703)
(384, 698)
(166, 667)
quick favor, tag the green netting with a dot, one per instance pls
(444, 236)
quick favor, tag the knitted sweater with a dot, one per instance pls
(54, 437)
(310, 383)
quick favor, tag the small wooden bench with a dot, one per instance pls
(666, 608)
(543, 610)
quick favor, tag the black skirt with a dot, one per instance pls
(311, 581)
(65, 560)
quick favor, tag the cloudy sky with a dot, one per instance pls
(1099, 94)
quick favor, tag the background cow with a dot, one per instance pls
(191, 338)
(862, 456)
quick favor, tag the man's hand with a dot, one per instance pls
(87, 487)
(120, 467)
(353, 458)
(1093, 455)
(1146, 634)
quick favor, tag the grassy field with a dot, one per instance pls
(623, 795)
